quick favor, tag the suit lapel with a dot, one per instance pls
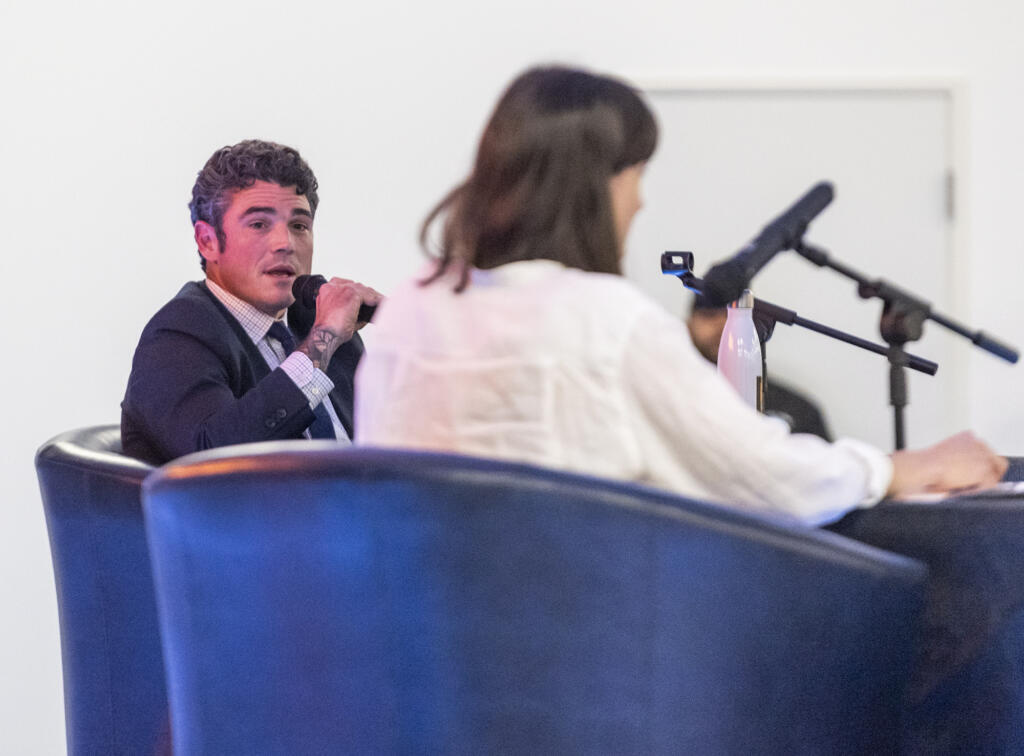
(259, 365)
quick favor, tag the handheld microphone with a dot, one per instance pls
(725, 281)
(305, 288)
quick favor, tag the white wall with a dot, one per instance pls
(108, 112)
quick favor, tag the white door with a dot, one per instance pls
(730, 160)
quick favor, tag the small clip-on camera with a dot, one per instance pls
(679, 264)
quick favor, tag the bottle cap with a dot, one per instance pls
(745, 302)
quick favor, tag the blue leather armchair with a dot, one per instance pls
(115, 697)
(325, 600)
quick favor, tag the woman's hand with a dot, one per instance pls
(959, 463)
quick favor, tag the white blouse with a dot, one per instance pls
(539, 363)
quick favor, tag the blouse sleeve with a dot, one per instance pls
(689, 424)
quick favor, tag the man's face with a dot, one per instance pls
(268, 241)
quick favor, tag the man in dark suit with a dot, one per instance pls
(217, 365)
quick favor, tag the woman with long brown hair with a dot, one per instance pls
(523, 341)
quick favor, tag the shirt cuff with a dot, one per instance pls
(312, 382)
(877, 465)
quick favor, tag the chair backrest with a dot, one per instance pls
(115, 696)
(323, 600)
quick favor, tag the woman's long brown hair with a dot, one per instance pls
(539, 186)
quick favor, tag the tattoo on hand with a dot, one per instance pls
(320, 346)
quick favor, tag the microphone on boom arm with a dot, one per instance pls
(725, 281)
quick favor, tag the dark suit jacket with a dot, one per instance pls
(198, 382)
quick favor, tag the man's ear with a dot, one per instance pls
(207, 241)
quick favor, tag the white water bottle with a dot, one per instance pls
(739, 352)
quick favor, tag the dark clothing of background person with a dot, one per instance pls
(800, 413)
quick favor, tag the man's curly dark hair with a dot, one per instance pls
(239, 166)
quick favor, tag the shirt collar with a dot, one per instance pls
(521, 271)
(254, 322)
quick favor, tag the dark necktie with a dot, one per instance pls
(321, 427)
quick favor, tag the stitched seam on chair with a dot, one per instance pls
(83, 467)
(788, 535)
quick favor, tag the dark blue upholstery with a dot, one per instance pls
(325, 600)
(115, 698)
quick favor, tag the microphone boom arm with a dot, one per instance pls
(903, 317)
(905, 304)
(778, 314)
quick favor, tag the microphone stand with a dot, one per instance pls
(903, 316)
(769, 314)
